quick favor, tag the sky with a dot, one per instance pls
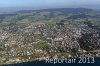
(41, 4)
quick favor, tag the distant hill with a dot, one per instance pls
(64, 10)
(4, 15)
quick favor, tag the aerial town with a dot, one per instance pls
(23, 39)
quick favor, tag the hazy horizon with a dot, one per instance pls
(15, 5)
